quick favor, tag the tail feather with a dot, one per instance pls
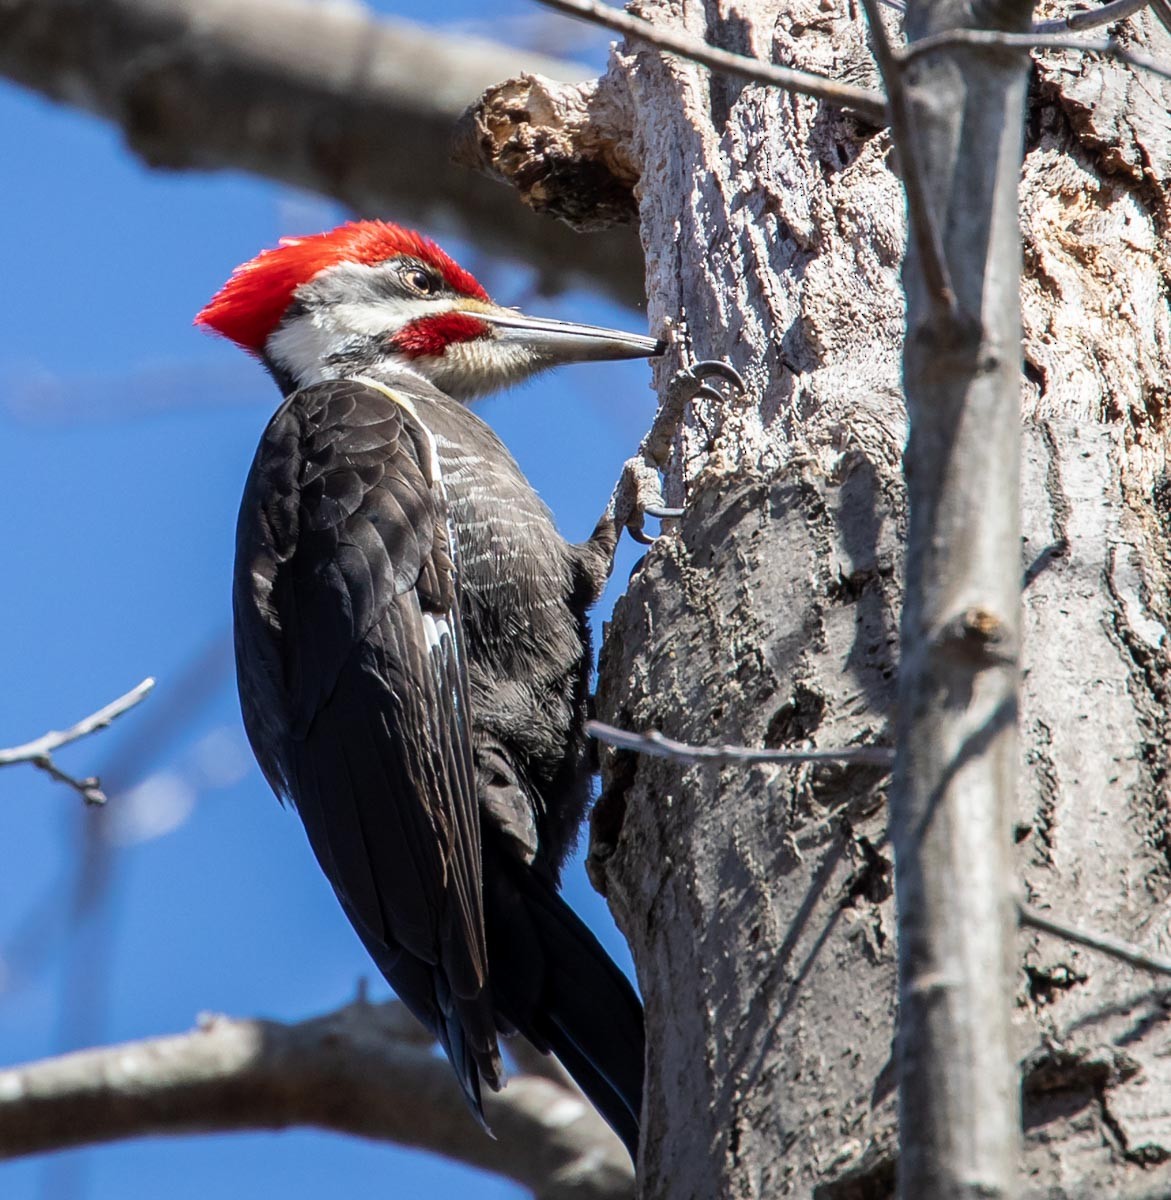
(556, 985)
(619, 1108)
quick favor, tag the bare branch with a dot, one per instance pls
(325, 97)
(360, 1070)
(953, 790)
(1031, 918)
(40, 751)
(921, 218)
(1034, 41)
(1116, 10)
(863, 101)
(656, 745)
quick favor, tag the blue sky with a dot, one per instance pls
(125, 435)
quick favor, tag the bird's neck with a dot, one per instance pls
(391, 372)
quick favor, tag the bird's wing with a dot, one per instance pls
(348, 624)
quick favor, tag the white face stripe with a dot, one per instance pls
(347, 318)
(304, 345)
(341, 309)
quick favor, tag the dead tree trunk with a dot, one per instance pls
(758, 901)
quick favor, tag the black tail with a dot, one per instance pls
(553, 982)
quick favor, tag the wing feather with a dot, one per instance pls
(355, 693)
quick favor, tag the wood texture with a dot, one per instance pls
(758, 902)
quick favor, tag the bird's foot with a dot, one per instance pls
(687, 384)
(694, 379)
(638, 496)
(639, 492)
(691, 380)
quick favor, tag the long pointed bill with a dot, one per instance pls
(555, 342)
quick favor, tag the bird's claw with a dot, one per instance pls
(691, 380)
(708, 367)
(638, 496)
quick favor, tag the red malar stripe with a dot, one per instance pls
(430, 336)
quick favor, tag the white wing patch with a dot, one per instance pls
(435, 629)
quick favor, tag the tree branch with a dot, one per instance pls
(1127, 952)
(921, 218)
(322, 97)
(1033, 41)
(1093, 18)
(953, 790)
(863, 101)
(39, 752)
(658, 745)
(365, 1069)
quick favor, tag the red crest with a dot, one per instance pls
(250, 305)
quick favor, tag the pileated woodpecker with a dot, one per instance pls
(412, 648)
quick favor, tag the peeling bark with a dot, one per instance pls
(564, 147)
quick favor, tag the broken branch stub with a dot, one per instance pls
(565, 148)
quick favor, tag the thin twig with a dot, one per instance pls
(863, 101)
(1030, 918)
(1116, 10)
(89, 788)
(924, 228)
(1033, 41)
(655, 745)
(39, 752)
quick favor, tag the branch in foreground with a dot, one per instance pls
(954, 788)
(1031, 918)
(39, 752)
(1093, 18)
(1033, 41)
(1162, 11)
(320, 96)
(866, 103)
(365, 1069)
(655, 745)
(921, 216)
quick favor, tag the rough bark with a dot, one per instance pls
(321, 96)
(758, 902)
(565, 148)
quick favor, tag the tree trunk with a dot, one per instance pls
(758, 902)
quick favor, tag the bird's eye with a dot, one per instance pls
(418, 280)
